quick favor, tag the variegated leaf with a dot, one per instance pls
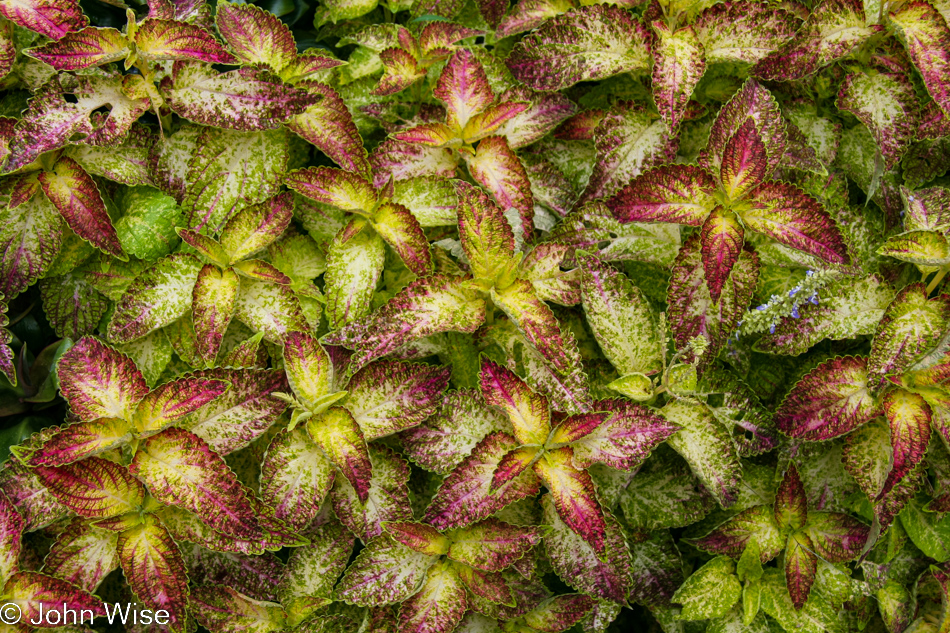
(664, 494)
(179, 468)
(528, 412)
(354, 265)
(581, 566)
(679, 64)
(585, 44)
(492, 545)
(496, 167)
(30, 238)
(387, 498)
(833, 30)
(396, 224)
(34, 595)
(82, 440)
(199, 94)
(707, 446)
(911, 326)
(155, 570)
(926, 36)
(89, 47)
(172, 40)
(255, 35)
(710, 592)
(829, 401)
(98, 381)
(801, 567)
(445, 439)
(908, 416)
(389, 396)
(836, 537)
(673, 193)
(465, 496)
(439, 605)
(485, 234)
(722, 240)
(559, 613)
(732, 537)
(158, 296)
(887, 105)
(295, 477)
(574, 496)
(340, 438)
(219, 608)
(256, 227)
(269, 308)
(54, 19)
(94, 488)
(743, 31)
(385, 572)
(213, 301)
(82, 555)
(329, 126)
(312, 571)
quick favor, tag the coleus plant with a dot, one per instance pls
(437, 315)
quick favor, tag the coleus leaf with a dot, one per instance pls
(336, 187)
(447, 437)
(545, 111)
(679, 64)
(791, 505)
(30, 237)
(418, 536)
(178, 468)
(221, 608)
(94, 487)
(831, 31)
(11, 532)
(312, 571)
(465, 496)
(340, 438)
(664, 494)
(463, 87)
(82, 555)
(673, 193)
(401, 71)
(36, 594)
(53, 19)
(295, 477)
(329, 125)
(580, 565)
(82, 440)
(628, 141)
(574, 496)
(89, 47)
(388, 396)
(385, 572)
(722, 239)
(585, 44)
(801, 568)
(743, 31)
(911, 326)
(887, 105)
(308, 367)
(157, 297)
(558, 613)
(528, 412)
(426, 306)
(542, 266)
(173, 40)
(255, 35)
(925, 34)
(153, 566)
(732, 537)
(213, 299)
(707, 446)
(396, 224)
(836, 537)
(497, 168)
(710, 592)
(355, 262)
(98, 381)
(491, 545)
(439, 604)
(829, 401)
(197, 93)
(623, 440)
(530, 14)
(387, 498)
(486, 236)
(270, 308)
(908, 416)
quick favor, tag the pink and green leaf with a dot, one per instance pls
(836, 537)
(465, 496)
(722, 239)
(153, 566)
(255, 35)
(908, 416)
(681, 194)
(911, 326)
(89, 47)
(340, 438)
(492, 545)
(257, 226)
(11, 532)
(29, 241)
(513, 464)
(585, 44)
(527, 411)
(496, 167)
(438, 606)
(801, 568)
(400, 229)
(744, 31)
(418, 537)
(295, 477)
(559, 613)
(172, 40)
(793, 218)
(385, 572)
(754, 524)
(212, 306)
(791, 504)
(98, 381)
(308, 368)
(387, 497)
(745, 161)
(82, 555)
(36, 594)
(829, 401)
(574, 496)
(81, 440)
(54, 19)
(220, 608)
(338, 188)
(94, 488)
(355, 262)
(401, 70)
(486, 236)
(329, 126)
(463, 87)
(389, 396)
(180, 469)
(172, 401)
(269, 308)
(679, 64)
(926, 36)
(887, 105)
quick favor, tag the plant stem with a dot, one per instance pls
(937, 279)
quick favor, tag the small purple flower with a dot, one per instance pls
(814, 298)
(793, 291)
(809, 273)
(772, 329)
(761, 307)
(795, 314)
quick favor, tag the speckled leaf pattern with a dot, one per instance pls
(82, 555)
(312, 570)
(590, 43)
(558, 613)
(221, 608)
(833, 30)
(710, 592)
(11, 529)
(396, 224)
(179, 468)
(213, 300)
(426, 306)
(441, 442)
(722, 240)
(664, 494)
(152, 563)
(672, 193)
(465, 496)
(385, 572)
(81, 440)
(439, 605)
(580, 565)
(485, 234)
(910, 327)
(269, 308)
(387, 498)
(30, 237)
(255, 35)
(574, 496)
(94, 488)
(791, 505)
(628, 141)
(496, 167)
(99, 382)
(329, 126)
(295, 477)
(627, 435)
(679, 64)
(836, 537)
(308, 367)
(386, 397)
(354, 266)
(198, 94)
(168, 40)
(35, 593)
(908, 415)
(743, 31)
(84, 49)
(926, 37)
(340, 438)
(801, 567)
(831, 400)
(731, 538)
(158, 296)
(54, 19)
(492, 545)
(886, 104)
(527, 411)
